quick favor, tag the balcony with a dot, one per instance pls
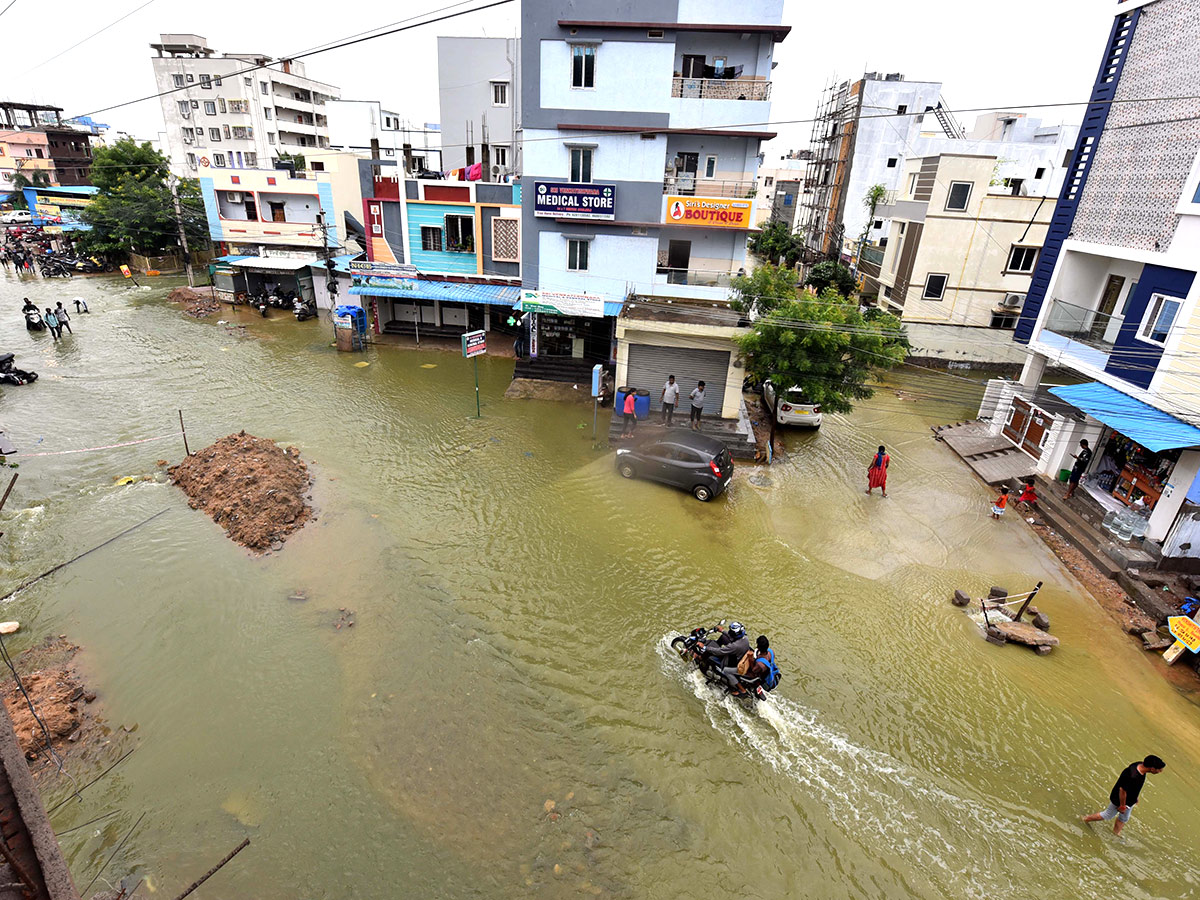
(720, 88)
(697, 277)
(688, 184)
(1080, 333)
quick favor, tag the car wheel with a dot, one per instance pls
(627, 470)
(702, 492)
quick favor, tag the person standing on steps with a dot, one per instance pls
(1082, 458)
(877, 472)
(670, 397)
(697, 396)
(1125, 793)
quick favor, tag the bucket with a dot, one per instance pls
(641, 404)
(1064, 475)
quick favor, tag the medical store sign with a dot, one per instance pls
(561, 303)
(712, 212)
(575, 201)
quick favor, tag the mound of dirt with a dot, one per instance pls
(196, 305)
(57, 694)
(252, 487)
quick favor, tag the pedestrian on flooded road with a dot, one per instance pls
(1001, 504)
(4, 258)
(670, 397)
(80, 305)
(64, 320)
(877, 472)
(630, 412)
(1125, 793)
(697, 396)
(1082, 458)
(51, 321)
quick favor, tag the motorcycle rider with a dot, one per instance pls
(759, 668)
(29, 306)
(730, 647)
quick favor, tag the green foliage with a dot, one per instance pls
(871, 200)
(776, 244)
(133, 209)
(36, 178)
(830, 274)
(295, 159)
(764, 289)
(826, 346)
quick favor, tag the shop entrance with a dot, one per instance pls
(1127, 472)
(1027, 427)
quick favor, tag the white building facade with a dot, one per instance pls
(479, 100)
(359, 125)
(235, 110)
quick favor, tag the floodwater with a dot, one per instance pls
(512, 599)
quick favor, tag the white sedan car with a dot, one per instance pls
(793, 408)
(16, 217)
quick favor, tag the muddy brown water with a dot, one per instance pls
(512, 597)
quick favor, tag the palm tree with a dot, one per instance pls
(871, 200)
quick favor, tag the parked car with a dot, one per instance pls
(683, 459)
(793, 408)
(16, 217)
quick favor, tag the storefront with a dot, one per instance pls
(398, 303)
(274, 274)
(571, 326)
(1128, 472)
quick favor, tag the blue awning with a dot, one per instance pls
(232, 257)
(445, 291)
(1152, 428)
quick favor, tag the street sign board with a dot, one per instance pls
(125, 271)
(562, 303)
(383, 270)
(596, 370)
(474, 343)
(558, 200)
(711, 212)
(1186, 631)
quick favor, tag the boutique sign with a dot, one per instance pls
(574, 201)
(714, 212)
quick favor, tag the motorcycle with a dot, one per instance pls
(10, 375)
(51, 267)
(33, 321)
(304, 309)
(690, 648)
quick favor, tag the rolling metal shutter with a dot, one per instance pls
(649, 367)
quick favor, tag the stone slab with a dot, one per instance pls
(1024, 633)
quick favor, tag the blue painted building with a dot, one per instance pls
(1114, 297)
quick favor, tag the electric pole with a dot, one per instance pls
(187, 255)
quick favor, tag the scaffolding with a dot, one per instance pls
(831, 147)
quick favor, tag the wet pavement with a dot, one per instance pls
(504, 719)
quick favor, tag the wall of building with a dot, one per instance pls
(433, 215)
(467, 66)
(609, 256)
(964, 344)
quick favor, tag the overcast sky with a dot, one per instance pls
(1024, 51)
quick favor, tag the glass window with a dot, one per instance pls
(583, 66)
(191, 160)
(219, 159)
(1022, 259)
(500, 156)
(499, 93)
(184, 107)
(270, 137)
(251, 160)
(577, 255)
(1160, 316)
(225, 128)
(221, 104)
(710, 167)
(210, 108)
(195, 104)
(178, 80)
(892, 160)
(217, 82)
(431, 238)
(214, 134)
(935, 286)
(248, 81)
(460, 233)
(191, 78)
(267, 113)
(262, 87)
(581, 164)
(206, 82)
(958, 195)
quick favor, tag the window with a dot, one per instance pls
(195, 104)
(1160, 316)
(1007, 320)
(1040, 173)
(901, 109)
(499, 156)
(892, 160)
(270, 137)
(958, 195)
(177, 80)
(262, 87)
(887, 291)
(184, 107)
(221, 104)
(768, 181)
(242, 133)
(248, 81)
(251, 160)
(460, 234)
(1022, 259)
(655, 34)
(506, 239)
(219, 160)
(267, 113)
(226, 129)
(239, 106)
(710, 167)
(210, 108)
(577, 255)
(583, 66)
(191, 160)
(912, 184)
(431, 238)
(499, 93)
(206, 82)
(217, 82)
(878, 223)
(191, 78)
(935, 286)
(317, 166)
(581, 164)
(214, 134)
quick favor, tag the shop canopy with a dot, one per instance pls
(444, 291)
(1140, 422)
(273, 263)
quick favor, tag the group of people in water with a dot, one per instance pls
(58, 318)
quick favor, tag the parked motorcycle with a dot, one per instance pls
(11, 375)
(33, 321)
(691, 646)
(51, 267)
(304, 309)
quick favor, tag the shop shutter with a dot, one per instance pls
(649, 367)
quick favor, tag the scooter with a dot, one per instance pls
(304, 309)
(10, 375)
(33, 321)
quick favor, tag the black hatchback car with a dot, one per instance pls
(684, 459)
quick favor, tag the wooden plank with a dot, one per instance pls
(1171, 654)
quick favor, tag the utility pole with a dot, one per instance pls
(187, 256)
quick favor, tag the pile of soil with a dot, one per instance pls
(57, 694)
(252, 487)
(196, 305)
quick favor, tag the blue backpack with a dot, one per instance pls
(773, 673)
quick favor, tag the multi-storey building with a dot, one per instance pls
(480, 103)
(235, 110)
(1115, 297)
(362, 126)
(785, 169)
(641, 127)
(34, 138)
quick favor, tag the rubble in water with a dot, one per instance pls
(252, 487)
(57, 694)
(198, 306)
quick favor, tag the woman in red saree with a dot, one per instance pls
(877, 471)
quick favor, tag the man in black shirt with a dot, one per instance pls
(1082, 459)
(1125, 792)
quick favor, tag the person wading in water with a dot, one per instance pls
(877, 471)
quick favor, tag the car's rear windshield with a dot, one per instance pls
(795, 395)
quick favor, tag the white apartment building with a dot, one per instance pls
(782, 168)
(235, 110)
(355, 124)
(479, 97)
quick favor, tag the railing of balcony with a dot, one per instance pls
(721, 88)
(1083, 325)
(699, 277)
(689, 184)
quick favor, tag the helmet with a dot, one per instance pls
(736, 630)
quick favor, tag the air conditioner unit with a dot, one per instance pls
(496, 170)
(1012, 301)
(233, 196)
(186, 113)
(188, 141)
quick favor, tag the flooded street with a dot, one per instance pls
(512, 598)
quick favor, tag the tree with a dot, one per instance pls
(830, 274)
(776, 244)
(296, 159)
(825, 346)
(871, 200)
(36, 178)
(764, 289)
(133, 208)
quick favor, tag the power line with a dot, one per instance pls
(88, 38)
(7, 8)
